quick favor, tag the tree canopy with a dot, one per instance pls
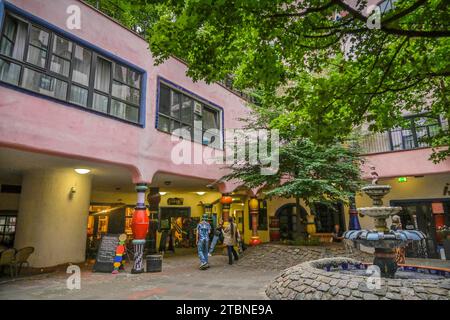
(319, 62)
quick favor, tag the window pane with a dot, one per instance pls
(210, 119)
(62, 47)
(37, 56)
(39, 38)
(44, 84)
(211, 138)
(78, 96)
(164, 100)
(124, 111)
(164, 124)
(9, 72)
(174, 125)
(60, 66)
(186, 109)
(125, 92)
(102, 75)
(128, 76)
(81, 65)
(175, 100)
(100, 103)
(13, 45)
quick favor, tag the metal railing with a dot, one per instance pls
(399, 139)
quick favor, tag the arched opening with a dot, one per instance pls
(288, 220)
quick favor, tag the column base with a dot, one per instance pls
(255, 241)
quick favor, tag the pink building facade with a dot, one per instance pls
(78, 90)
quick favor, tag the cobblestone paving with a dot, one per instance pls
(308, 281)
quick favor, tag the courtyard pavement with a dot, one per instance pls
(181, 279)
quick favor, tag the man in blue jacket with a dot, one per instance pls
(203, 231)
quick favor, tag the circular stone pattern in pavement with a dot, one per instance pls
(309, 281)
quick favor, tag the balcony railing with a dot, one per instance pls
(416, 136)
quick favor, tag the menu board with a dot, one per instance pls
(106, 253)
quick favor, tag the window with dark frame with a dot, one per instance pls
(7, 230)
(46, 63)
(262, 217)
(178, 110)
(416, 134)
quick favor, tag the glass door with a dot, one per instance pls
(418, 216)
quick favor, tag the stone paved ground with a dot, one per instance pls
(180, 279)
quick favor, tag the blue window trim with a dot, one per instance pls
(194, 95)
(6, 6)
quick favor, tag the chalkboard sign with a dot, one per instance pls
(106, 253)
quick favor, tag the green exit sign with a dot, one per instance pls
(402, 179)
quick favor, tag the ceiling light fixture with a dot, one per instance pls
(82, 171)
(163, 193)
(200, 193)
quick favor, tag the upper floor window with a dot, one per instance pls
(415, 133)
(178, 110)
(39, 60)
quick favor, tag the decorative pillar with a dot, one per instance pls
(226, 201)
(253, 205)
(153, 198)
(139, 225)
(353, 223)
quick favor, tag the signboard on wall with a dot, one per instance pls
(175, 201)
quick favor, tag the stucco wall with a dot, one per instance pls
(51, 219)
(38, 124)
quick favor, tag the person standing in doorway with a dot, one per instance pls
(217, 235)
(203, 231)
(231, 238)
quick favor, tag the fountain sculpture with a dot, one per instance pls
(382, 239)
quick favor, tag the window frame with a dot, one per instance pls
(54, 32)
(205, 104)
(413, 137)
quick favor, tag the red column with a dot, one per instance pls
(139, 225)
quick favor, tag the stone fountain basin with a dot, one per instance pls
(331, 279)
(384, 240)
(379, 212)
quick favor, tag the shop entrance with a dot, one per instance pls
(426, 216)
(177, 228)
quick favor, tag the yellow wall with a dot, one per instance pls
(428, 187)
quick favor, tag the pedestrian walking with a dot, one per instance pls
(203, 231)
(231, 238)
(217, 235)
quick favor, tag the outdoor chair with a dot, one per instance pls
(7, 259)
(21, 258)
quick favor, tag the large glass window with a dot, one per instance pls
(44, 62)
(415, 134)
(179, 110)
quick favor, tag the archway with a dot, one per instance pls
(289, 226)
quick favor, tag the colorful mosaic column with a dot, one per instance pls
(153, 198)
(139, 226)
(353, 213)
(226, 201)
(254, 210)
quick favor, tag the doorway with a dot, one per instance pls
(419, 215)
(289, 226)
